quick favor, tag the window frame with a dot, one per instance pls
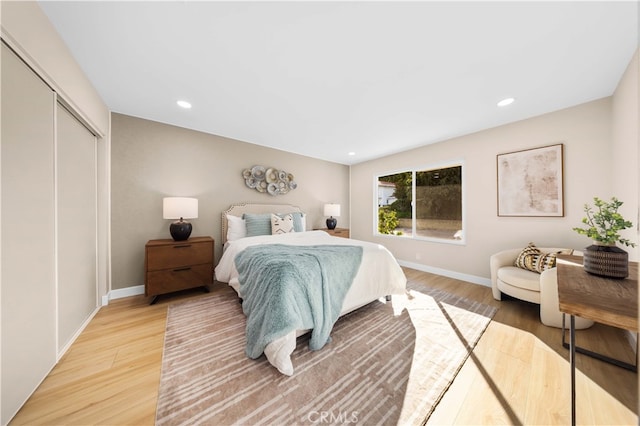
(414, 170)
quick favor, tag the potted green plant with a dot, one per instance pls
(603, 226)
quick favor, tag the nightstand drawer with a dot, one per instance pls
(169, 280)
(177, 265)
(178, 255)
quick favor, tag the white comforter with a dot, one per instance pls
(379, 275)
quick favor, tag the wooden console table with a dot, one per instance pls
(608, 301)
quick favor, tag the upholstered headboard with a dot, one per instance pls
(242, 208)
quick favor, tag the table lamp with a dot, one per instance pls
(180, 208)
(332, 210)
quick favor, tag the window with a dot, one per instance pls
(422, 204)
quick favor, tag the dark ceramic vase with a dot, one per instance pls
(180, 230)
(606, 261)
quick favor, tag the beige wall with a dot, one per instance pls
(151, 160)
(625, 136)
(585, 131)
(601, 158)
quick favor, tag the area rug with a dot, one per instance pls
(387, 363)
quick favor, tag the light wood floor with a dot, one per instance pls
(517, 374)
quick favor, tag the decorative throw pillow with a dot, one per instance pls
(282, 224)
(258, 224)
(299, 221)
(532, 259)
(236, 228)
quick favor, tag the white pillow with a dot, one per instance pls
(236, 228)
(282, 224)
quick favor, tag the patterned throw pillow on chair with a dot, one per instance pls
(532, 259)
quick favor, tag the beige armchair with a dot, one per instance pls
(533, 287)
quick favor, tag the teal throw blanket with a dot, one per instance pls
(286, 288)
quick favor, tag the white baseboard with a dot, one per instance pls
(445, 272)
(122, 292)
(139, 289)
(64, 349)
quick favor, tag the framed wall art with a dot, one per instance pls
(530, 182)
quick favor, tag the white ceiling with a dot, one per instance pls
(325, 78)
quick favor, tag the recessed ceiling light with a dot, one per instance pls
(184, 104)
(505, 102)
(352, 153)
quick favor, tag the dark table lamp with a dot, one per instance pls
(332, 210)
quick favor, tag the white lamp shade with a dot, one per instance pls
(332, 210)
(179, 207)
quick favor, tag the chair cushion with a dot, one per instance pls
(519, 277)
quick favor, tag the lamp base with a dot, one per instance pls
(180, 230)
(332, 222)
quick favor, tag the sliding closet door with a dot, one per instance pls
(27, 229)
(76, 199)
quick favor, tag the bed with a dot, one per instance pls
(249, 252)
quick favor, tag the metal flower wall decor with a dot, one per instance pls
(269, 180)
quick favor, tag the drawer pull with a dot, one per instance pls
(182, 246)
(182, 269)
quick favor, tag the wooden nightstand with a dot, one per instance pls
(177, 265)
(337, 232)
